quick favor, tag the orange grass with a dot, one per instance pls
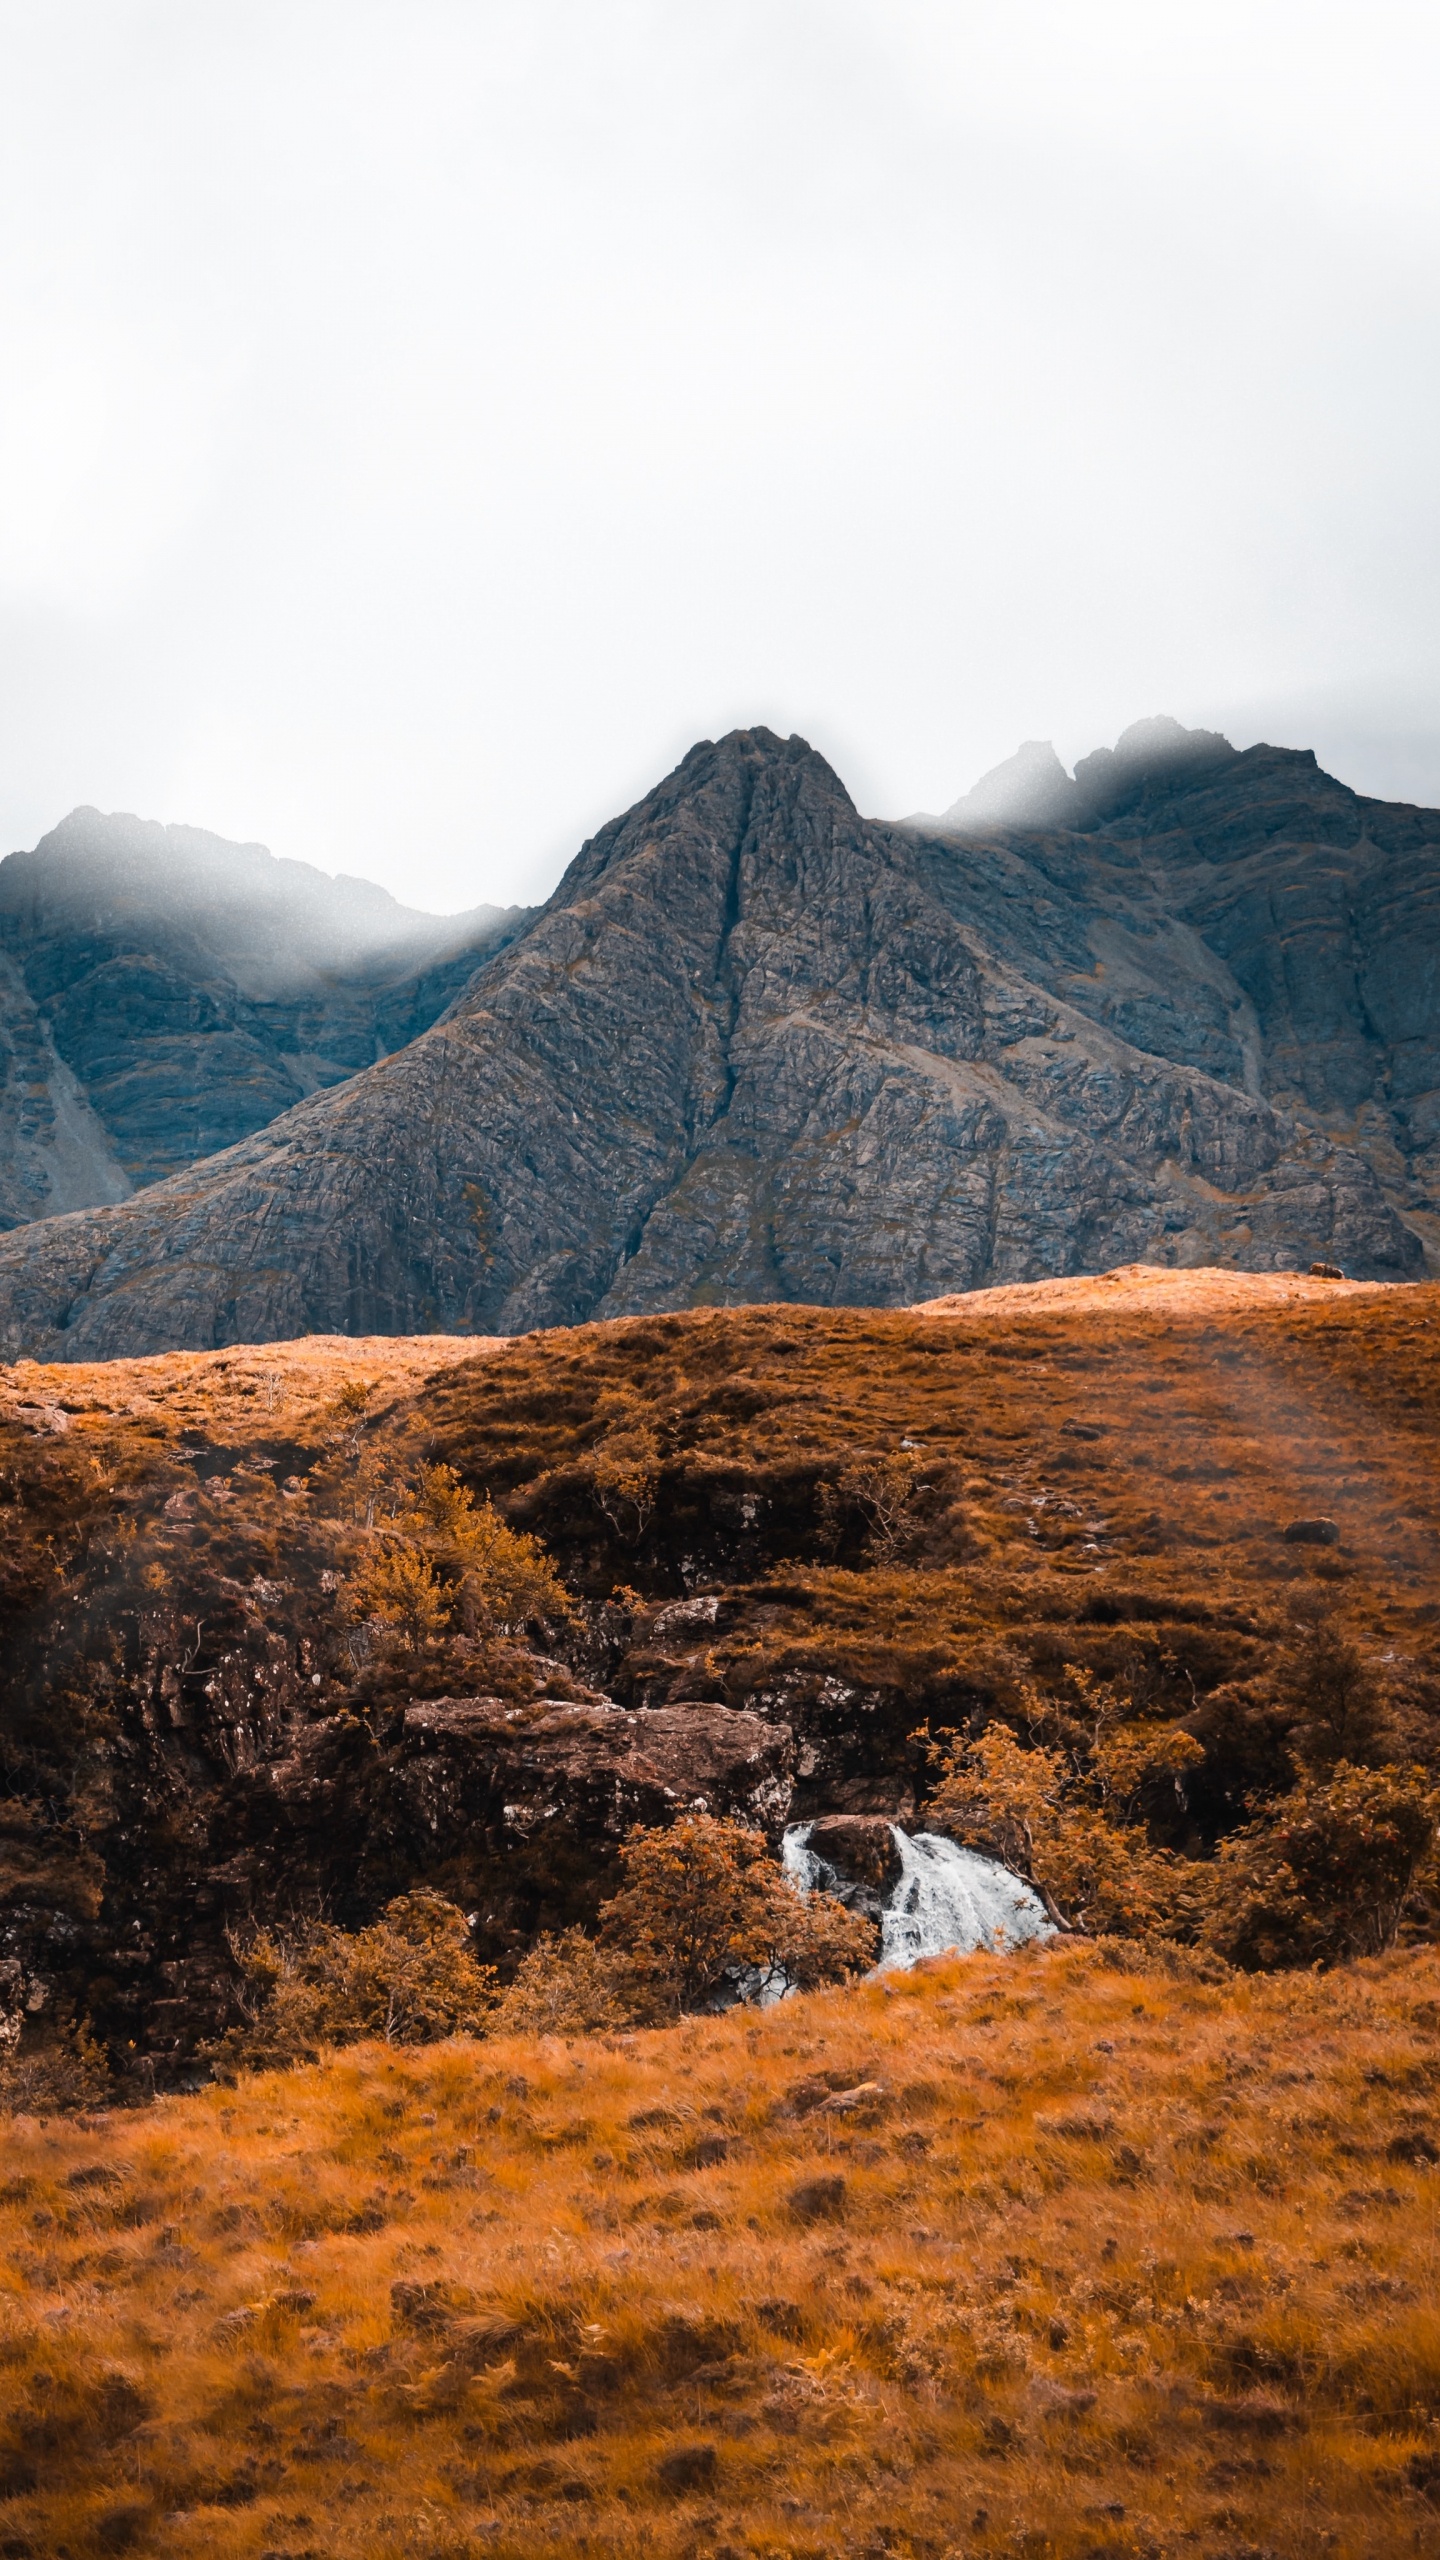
(1123, 2262)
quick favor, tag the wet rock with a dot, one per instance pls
(517, 1771)
(860, 1847)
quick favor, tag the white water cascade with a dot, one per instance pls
(945, 1898)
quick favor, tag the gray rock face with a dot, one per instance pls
(163, 993)
(757, 1047)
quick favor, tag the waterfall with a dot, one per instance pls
(944, 1898)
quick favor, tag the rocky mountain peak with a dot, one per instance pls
(1151, 751)
(1032, 788)
(164, 993)
(270, 923)
(757, 1047)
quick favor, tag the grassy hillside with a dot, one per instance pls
(875, 1523)
(1090, 2251)
(1053, 2256)
(1101, 1473)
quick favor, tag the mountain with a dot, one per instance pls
(163, 993)
(756, 1047)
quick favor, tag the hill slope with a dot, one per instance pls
(1091, 2263)
(163, 993)
(756, 1047)
(1086, 1478)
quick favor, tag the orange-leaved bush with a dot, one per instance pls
(501, 1577)
(440, 1555)
(705, 1910)
(1072, 1828)
(568, 1986)
(411, 1977)
(1325, 1874)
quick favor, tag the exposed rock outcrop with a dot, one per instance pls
(757, 1048)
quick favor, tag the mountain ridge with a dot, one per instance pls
(163, 993)
(757, 1047)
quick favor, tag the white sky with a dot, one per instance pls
(421, 419)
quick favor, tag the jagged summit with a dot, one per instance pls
(756, 1047)
(1032, 788)
(740, 783)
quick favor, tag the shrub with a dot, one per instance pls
(566, 1986)
(442, 1553)
(624, 1466)
(502, 1576)
(883, 1488)
(704, 1908)
(1336, 1697)
(410, 1977)
(1325, 1873)
(1069, 1829)
(397, 1587)
(55, 2073)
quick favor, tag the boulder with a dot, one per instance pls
(596, 1769)
(860, 1847)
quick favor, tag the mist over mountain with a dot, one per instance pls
(163, 993)
(1033, 789)
(758, 1047)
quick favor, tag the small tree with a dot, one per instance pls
(999, 1797)
(1335, 1695)
(503, 1576)
(704, 1905)
(1325, 1873)
(441, 1553)
(624, 1465)
(883, 1487)
(410, 1977)
(625, 1473)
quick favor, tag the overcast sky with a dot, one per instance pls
(421, 419)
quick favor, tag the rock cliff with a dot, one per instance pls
(163, 993)
(756, 1047)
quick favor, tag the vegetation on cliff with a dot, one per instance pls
(294, 1633)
